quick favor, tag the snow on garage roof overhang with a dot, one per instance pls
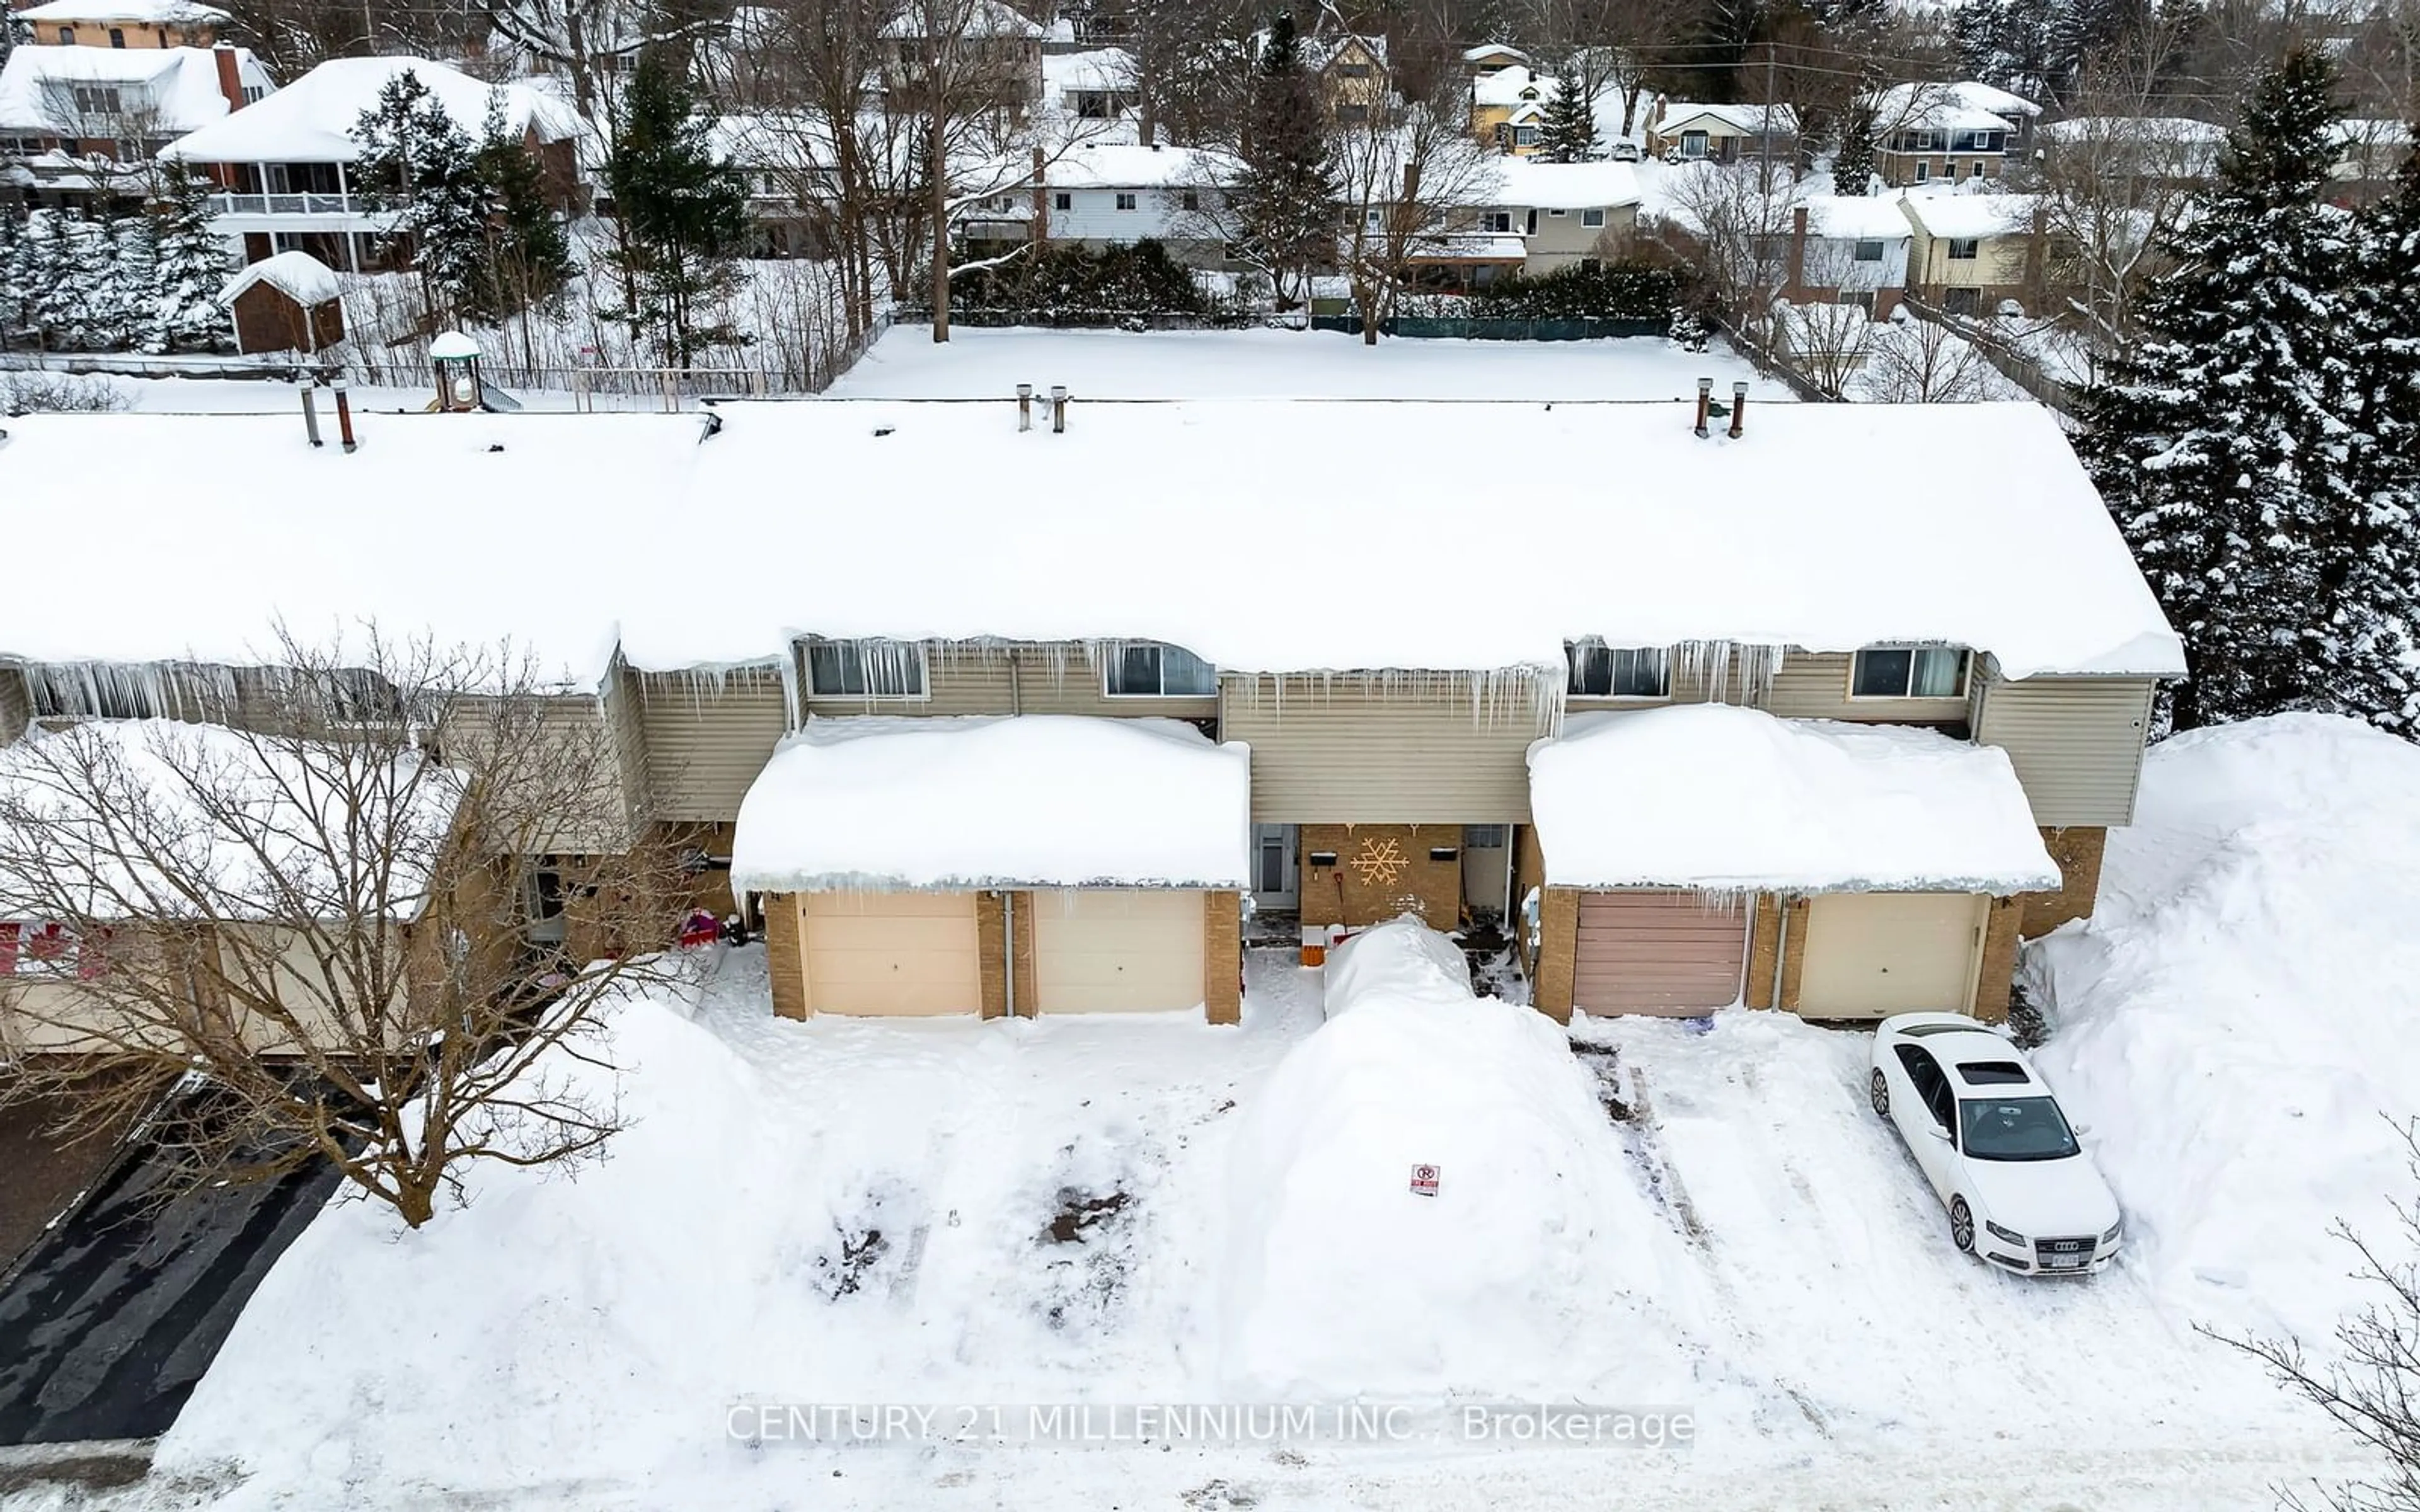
(1037, 801)
(1263, 535)
(1720, 800)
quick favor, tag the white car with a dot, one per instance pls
(1989, 1137)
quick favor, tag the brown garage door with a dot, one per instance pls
(1657, 952)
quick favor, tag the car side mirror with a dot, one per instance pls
(2082, 1129)
(1937, 1132)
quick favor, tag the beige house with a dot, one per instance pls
(1950, 132)
(1054, 768)
(1354, 77)
(1966, 253)
(121, 24)
(1686, 132)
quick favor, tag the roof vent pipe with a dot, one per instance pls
(1025, 407)
(1739, 406)
(344, 416)
(1058, 410)
(1705, 398)
(310, 411)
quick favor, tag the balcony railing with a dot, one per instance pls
(285, 205)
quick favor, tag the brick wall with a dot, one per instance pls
(1559, 938)
(1222, 930)
(2077, 849)
(1394, 876)
(1999, 968)
(786, 954)
(1765, 938)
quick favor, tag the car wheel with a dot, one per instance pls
(1961, 1226)
(1878, 1091)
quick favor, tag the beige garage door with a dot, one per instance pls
(1103, 949)
(892, 952)
(1871, 954)
(1657, 952)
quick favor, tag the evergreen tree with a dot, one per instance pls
(188, 270)
(416, 161)
(1567, 128)
(43, 266)
(74, 306)
(528, 257)
(1281, 198)
(2219, 438)
(2379, 555)
(125, 305)
(14, 286)
(683, 215)
(1853, 168)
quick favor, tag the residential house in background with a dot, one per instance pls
(1099, 84)
(1950, 132)
(2144, 148)
(2371, 150)
(1966, 253)
(1354, 77)
(127, 23)
(286, 162)
(1689, 133)
(1508, 108)
(920, 775)
(1489, 59)
(1006, 45)
(1103, 193)
(79, 126)
(1848, 250)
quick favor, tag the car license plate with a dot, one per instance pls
(2066, 1261)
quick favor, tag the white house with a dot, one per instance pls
(288, 160)
(1105, 194)
(1849, 249)
(79, 126)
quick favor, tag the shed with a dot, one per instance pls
(289, 302)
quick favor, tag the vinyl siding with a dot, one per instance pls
(704, 740)
(2076, 741)
(1810, 685)
(602, 822)
(1343, 753)
(1028, 679)
(16, 703)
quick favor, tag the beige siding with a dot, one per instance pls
(602, 820)
(1814, 685)
(16, 703)
(2077, 743)
(1872, 954)
(1347, 753)
(1025, 679)
(706, 740)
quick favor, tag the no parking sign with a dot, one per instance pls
(1424, 1180)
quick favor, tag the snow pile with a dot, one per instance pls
(1713, 796)
(298, 276)
(135, 812)
(1040, 800)
(2235, 1021)
(1535, 1257)
(1402, 959)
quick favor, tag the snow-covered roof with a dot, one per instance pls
(162, 89)
(2154, 128)
(298, 276)
(113, 795)
(1743, 119)
(141, 12)
(1962, 216)
(1855, 218)
(1965, 106)
(1101, 69)
(1773, 539)
(1507, 86)
(1741, 800)
(1534, 184)
(1488, 50)
(312, 120)
(1128, 166)
(984, 18)
(1042, 800)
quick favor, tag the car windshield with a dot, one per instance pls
(2013, 1128)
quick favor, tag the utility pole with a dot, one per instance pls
(1769, 88)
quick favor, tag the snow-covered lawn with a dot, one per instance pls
(974, 363)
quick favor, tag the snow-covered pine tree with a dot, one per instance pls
(123, 311)
(1567, 126)
(39, 264)
(1279, 199)
(72, 304)
(2377, 551)
(416, 159)
(2219, 437)
(190, 267)
(1852, 167)
(684, 214)
(12, 272)
(528, 259)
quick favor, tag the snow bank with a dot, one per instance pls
(1711, 797)
(1402, 959)
(1536, 1256)
(1040, 800)
(2235, 1021)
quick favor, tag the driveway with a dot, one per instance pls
(114, 1314)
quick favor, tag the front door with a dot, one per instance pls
(1277, 857)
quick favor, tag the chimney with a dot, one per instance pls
(345, 417)
(230, 76)
(1705, 398)
(1798, 249)
(1058, 410)
(1739, 407)
(310, 410)
(1025, 407)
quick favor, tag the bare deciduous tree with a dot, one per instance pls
(1408, 178)
(1736, 233)
(1827, 342)
(1923, 361)
(319, 904)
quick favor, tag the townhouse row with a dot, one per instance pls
(1730, 719)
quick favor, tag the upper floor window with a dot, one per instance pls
(1869, 251)
(1909, 673)
(1592, 220)
(1604, 671)
(865, 669)
(116, 36)
(1062, 200)
(1125, 202)
(1189, 199)
(66, 36)
(1499, 221)
(97, 98)
(1353, 71)
(1157, 671)
(1962, 249)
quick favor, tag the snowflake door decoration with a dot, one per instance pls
(1381, 861)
